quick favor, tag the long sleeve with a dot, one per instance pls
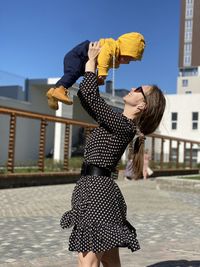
(97, 108)
(104, 60)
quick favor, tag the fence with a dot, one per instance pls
(166, 152)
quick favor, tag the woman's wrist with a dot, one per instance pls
(90, 66)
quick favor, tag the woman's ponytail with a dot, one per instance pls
(138, 154)
(147, 123)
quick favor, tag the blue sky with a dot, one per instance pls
(36, 34)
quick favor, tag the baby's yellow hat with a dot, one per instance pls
(131, 44)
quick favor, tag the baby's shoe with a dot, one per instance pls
(62, 94)
(58, 94)
(52, 102)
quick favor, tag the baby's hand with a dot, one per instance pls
(101, 80)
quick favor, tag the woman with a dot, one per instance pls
(98, 213)
(128, 173)
(146, 170)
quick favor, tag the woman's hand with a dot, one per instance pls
(93, 51)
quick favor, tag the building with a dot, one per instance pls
(182, 115)
(12, 91)
(181, 119)
(33, 98)
(189, 45)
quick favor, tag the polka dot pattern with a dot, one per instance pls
(98, 213)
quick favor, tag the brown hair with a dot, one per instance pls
(147, 122)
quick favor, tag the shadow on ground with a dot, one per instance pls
(179, 263)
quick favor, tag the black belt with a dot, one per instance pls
(90, 169)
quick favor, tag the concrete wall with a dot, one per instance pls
(27, 131)
(193, 85)
(12, 91)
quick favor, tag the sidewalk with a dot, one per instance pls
(167, 223)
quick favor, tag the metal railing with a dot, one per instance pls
(158, 143)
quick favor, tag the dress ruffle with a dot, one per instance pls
(67, 220)
(99, 223)
(98, 238)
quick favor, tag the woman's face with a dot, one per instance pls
(135, 97)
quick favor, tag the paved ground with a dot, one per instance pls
(167, 223)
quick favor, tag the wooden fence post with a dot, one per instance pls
(177, 155)
(11, 146)
(153, 151)
(43, 125)
(191, 144)
(170, 153)
(162, 153)
(66, 147)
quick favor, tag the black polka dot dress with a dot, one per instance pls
(98, 213)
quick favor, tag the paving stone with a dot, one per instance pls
(167, 224)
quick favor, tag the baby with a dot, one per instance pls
(128, 47)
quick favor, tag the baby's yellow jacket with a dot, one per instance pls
(129, 44)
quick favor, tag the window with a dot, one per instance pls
(188, 24)
(187, 60)
(174, 118)
(189, 8)
(174, 125)
(194, 125)
(189, 72)
(195, 118)
(184, 83)
(189, 2)
(187, 48)
(194, 155)
(189, 12)
(188, 35)
(174, 154)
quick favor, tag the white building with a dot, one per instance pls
(181, 119)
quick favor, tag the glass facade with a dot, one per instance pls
(187, 55)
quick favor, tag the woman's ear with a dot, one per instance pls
(142, 106)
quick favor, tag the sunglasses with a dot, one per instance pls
(140, 90)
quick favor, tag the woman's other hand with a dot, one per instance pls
(93, 51)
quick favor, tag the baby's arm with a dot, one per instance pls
(104, 60)
(101, 79)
